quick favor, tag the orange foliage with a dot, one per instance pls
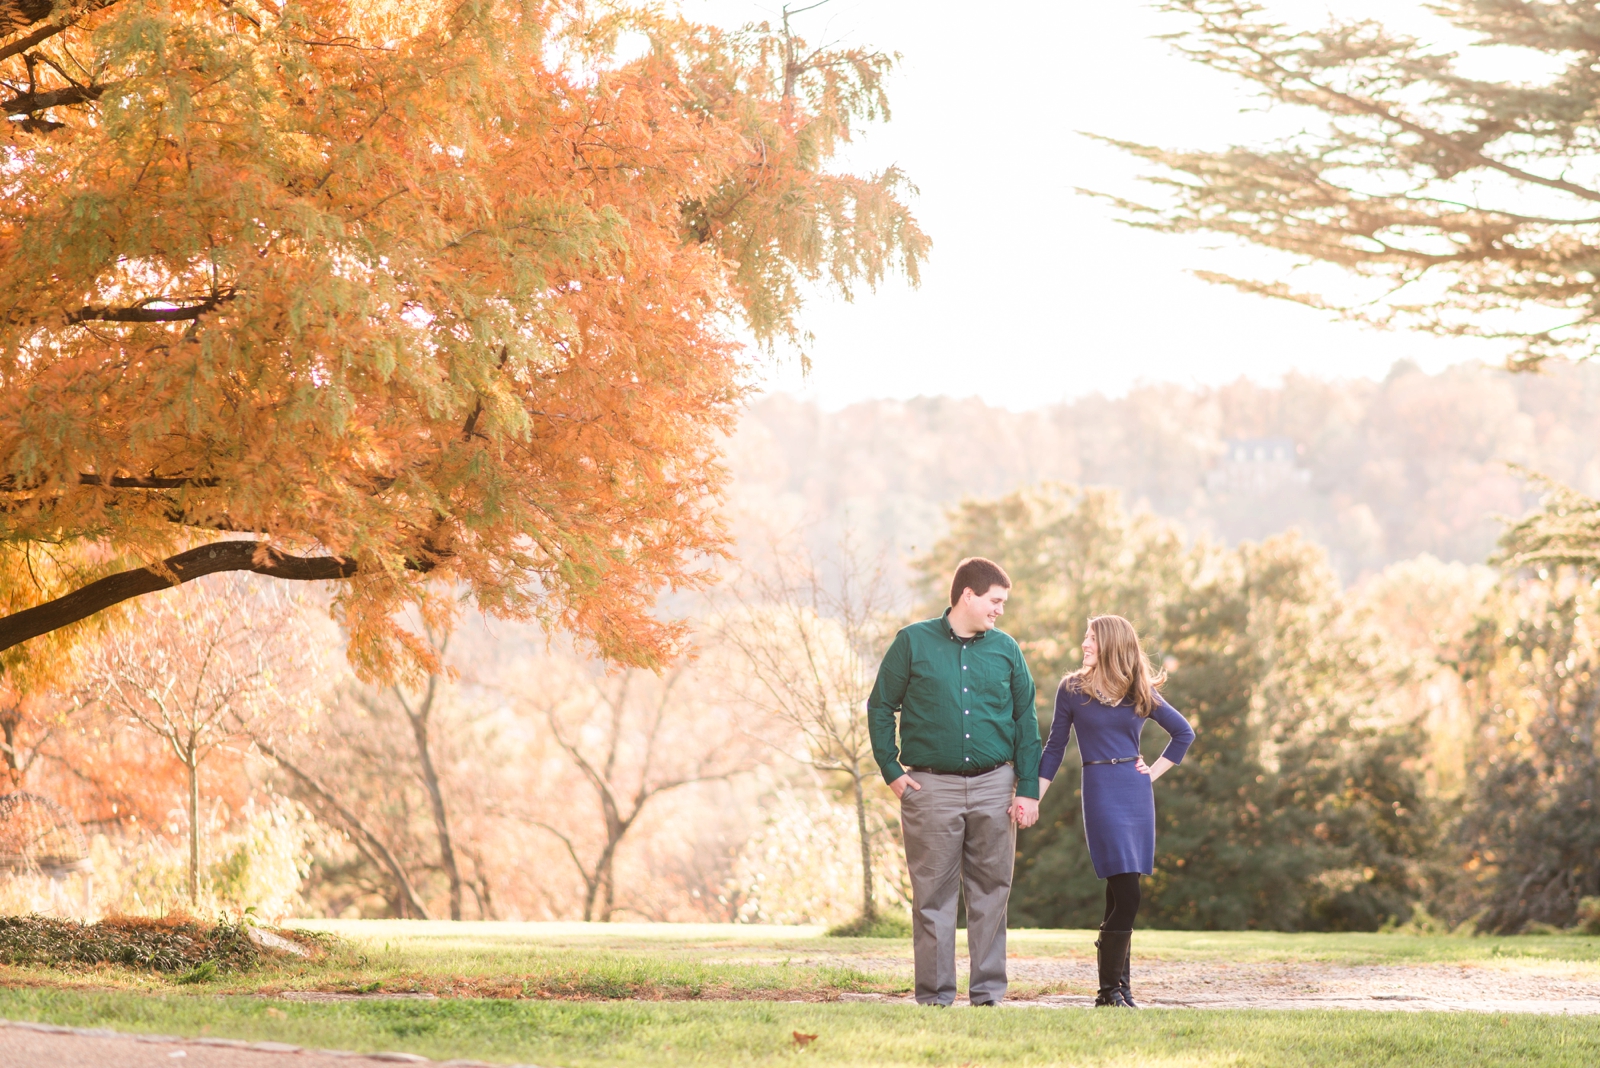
(108, 774)
(444, 290)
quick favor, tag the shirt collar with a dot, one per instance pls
(956, 637)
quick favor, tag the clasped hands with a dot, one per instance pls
(1024, 811)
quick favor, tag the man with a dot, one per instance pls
(966, 771)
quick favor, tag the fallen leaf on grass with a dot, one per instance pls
(277, 1014)
(802, 1041)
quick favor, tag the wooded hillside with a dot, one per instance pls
(1381, 471)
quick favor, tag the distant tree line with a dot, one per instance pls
(1382, 471)
(1312, 799)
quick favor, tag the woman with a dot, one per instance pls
(1108, 700)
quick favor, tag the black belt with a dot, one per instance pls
(964, 773)
(1114, 760)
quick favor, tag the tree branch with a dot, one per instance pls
(142, 314)
(145, 481)
(588, 880)
(254, 556)
(372, 843)
(28, 103)
(15, 14)
(12, 484)
(1277, 78)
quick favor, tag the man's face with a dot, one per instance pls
(985, 610)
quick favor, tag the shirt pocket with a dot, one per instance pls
(991, 681)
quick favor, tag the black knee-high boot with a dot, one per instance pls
(1113, 957)
(1125, 986)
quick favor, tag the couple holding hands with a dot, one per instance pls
(955, 735)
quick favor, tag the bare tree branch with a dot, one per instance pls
(368, 842)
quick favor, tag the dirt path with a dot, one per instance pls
(1509, 986)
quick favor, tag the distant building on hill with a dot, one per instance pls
(1257, 466)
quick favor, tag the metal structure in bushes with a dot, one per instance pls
(38, 835)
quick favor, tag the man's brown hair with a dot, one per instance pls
(978, 575)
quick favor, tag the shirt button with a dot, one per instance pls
(968, 712)
(963, 667)
(969, 736)
(966, 758)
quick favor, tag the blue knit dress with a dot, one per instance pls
(1119, 805)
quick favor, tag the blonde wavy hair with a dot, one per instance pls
(1120, 669)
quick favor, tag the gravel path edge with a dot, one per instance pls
(239, 1044)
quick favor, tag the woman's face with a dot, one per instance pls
(1091, 651)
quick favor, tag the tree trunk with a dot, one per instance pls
(608, 890)
(10, 720)
(869, 907)
(365, 840)
(479, 885)
(605, 883)
(193, 764)
(600, 899)
(591, 890)
(430, 779)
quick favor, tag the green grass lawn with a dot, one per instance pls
(740, 1033)
(697, 962)
(578, 994)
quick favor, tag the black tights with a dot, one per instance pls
(1122, 901)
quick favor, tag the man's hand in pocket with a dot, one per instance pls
(902, 784)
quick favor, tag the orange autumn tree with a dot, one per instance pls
(30, 572)
(417, 296)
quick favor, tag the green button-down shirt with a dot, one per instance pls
(961, 704)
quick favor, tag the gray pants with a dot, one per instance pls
(959, 830)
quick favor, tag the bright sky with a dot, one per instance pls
(1033, 293)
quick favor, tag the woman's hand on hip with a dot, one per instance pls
(1154, 771)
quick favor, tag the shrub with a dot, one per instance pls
(883, 925)
(176, 943)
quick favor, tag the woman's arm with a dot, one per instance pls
(1171, 721)
(1056, 747)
